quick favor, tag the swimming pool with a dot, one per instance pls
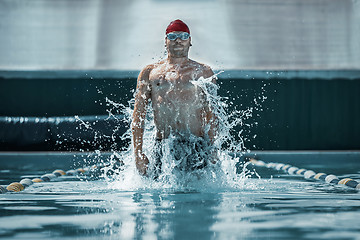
(274, 206)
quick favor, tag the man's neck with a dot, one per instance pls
(177, 60)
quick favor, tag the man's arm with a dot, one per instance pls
(212, 120)
(208, 72)
(210, 117)
(143, 93)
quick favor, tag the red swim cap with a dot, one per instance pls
(177, 26)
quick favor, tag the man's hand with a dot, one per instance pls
(142, 163)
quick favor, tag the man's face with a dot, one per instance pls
(178, 47)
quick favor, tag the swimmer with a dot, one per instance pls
(180, 108)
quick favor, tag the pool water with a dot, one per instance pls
(269, 204)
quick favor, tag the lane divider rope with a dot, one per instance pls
(26, 182)
(292, 170)
(307, 174)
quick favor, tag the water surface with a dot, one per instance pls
(276, 206)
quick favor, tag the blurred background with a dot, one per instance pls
(226, 34)
(295, 63)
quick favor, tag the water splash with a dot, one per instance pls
(225, 173)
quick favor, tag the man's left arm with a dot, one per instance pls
(210, 117)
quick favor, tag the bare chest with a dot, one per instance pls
(173, 86)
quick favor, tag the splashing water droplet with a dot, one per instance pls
(225, 173)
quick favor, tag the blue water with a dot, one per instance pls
(223, 201)
(268, 204)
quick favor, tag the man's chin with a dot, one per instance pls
(178, 53)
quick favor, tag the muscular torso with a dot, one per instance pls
(179, 105)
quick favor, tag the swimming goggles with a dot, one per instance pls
(174, 36)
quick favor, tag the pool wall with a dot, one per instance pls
(292, 110)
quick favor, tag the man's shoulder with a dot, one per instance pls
(200, 65)
(152, 66)
(205, 69)
(148, 68)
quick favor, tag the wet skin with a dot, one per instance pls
(179, 106)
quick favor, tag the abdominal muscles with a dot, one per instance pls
(178, 112)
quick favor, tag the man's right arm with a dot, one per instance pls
(143, 93)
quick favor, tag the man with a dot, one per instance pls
(180, 107)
